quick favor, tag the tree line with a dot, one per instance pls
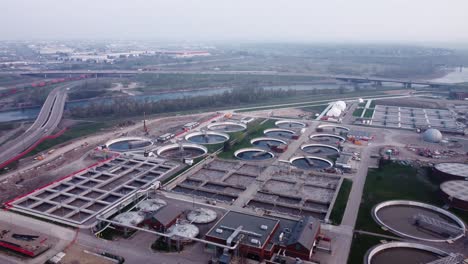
(128, 106)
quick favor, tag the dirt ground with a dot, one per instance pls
(26, 182)
(74, 160)
(283, 112)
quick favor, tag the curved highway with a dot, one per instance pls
(48, 119)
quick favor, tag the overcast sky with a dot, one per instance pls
(238, 20)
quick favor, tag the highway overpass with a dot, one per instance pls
(48, 119)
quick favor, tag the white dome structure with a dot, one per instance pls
(432, 135)
(334, 112)
(360, 100)
(341, 105)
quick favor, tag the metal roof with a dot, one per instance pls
(305, 232)
(167, 214)
(457, 169)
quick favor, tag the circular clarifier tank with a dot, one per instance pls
(207, 137)
(130, 218)
(227, 127)
(402, 253)
(419, 221)
(253, 154)
(290, 124)
(151, 205)
(183, 232)
(201, 216)
(267, 142)
(128, 144)
(333, 128)
(327, 138)
(310, 163)
(320, 149)
(183, 150)
(279, 133)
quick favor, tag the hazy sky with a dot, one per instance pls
(237, 20)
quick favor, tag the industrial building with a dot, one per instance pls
(260, 237)
(344, 161)
(451, 171)
(166, 217)
(30, 244)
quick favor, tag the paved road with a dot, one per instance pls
(48, 119)
(59, 237)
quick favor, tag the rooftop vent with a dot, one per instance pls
(219, 230)
(264, 227)
(255, 241)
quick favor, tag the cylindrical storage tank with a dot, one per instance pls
(202, 216)
(130, 218)
(455, 193)
(448, 171)
(151, 205)
(183, 232)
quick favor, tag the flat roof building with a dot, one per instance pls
(343, 161)
(26, 243)
(259, 237)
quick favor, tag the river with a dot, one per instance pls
(31, 113)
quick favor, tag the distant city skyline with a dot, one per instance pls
(396, 21)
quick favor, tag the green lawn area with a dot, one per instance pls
(369, 112)
(372, 104)
(341, 201)
(254, 129)
(358, 112)
(393, 181)
(214, 147)
(73, 132)
(361, 243)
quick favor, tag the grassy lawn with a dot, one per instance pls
(214, 147)
(341, 201)
(358, 112)
(361, 243)
(254, 129)
(73, 132)
(369, 112)
(393, 181)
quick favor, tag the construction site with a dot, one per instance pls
(232, 188)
